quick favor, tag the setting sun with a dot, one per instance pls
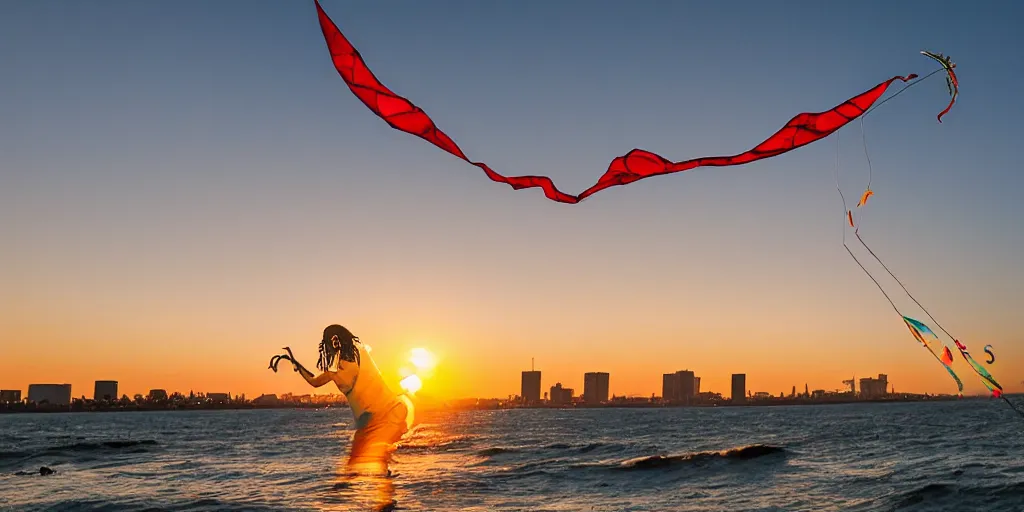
(422, 359)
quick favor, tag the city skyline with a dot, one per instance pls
(532, 388)
(192, 195)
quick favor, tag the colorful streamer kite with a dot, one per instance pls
(951, 82)
(986, 378)
(403, 115)
(918, 329)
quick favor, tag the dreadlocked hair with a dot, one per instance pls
(337, 342)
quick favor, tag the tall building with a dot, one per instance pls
(669, 387)
(105, 390)
(679, 386)
(686, 384)
(560, 395)
(10, 396)
(54, 394)
(531, 387)
(595, 387)
(739, 387)
(696, 385)
(873, 388)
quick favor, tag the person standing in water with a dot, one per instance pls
(382, 416)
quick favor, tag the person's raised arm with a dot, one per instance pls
(315, 381)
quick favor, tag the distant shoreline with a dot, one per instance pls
(483, 404)
(769, 402)
(156, 408)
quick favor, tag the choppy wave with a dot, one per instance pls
(71, 450)
(952, 496)
(697, 458)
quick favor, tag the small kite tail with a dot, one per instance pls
(946, 111)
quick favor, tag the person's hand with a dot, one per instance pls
(291, 357)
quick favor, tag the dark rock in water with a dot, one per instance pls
(958, 472)
(43, 471)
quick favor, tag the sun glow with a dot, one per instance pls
(411, 384)
(421, 364)
(422, 359)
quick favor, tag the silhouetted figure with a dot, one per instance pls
(382, 416)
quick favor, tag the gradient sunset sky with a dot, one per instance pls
(189, 186)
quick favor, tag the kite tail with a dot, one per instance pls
(944, 112)
(403, 115)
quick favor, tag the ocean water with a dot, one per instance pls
(941, 456)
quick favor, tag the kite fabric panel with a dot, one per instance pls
(864, 198)
(403, 115)
(986, 378)
(918, 329)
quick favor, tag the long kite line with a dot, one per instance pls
(401, 114)
(918, 329)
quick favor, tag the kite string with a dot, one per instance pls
(867, 155)
(897, 93)
(1012, 405)
(864, 141)
(936, 322)
(880, 262)
(840, 190)
(846, 212)
(868, 248)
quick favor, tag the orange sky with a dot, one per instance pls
(208, 342)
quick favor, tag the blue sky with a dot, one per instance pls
(203, 160)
